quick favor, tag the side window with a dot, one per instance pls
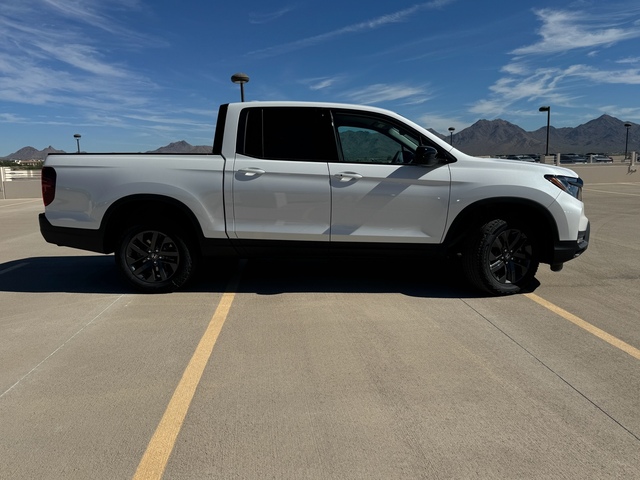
(288, 133)
(365, 139)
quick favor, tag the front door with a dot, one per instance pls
(378, 194)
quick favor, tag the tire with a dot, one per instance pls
(154, 259)
(500, 258)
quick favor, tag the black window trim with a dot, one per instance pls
(243, 123)
(242, 131)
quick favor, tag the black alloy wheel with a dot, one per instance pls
(154, 260)
(501, 259)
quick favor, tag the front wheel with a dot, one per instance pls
(154, 259)
(500, 258)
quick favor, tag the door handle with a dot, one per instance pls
(252, 171)
(348, 176)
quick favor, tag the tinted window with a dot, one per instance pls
(374, 139)
(220, 126)
(288, 133)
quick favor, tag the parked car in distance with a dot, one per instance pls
(600, 158)
(522, 158)
(573, 158)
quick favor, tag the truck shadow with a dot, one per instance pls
(69, 274)
(98, 274)
(421, 278)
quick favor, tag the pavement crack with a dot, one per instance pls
(553, 372)
(60, 347)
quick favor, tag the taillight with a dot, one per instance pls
(48, 185)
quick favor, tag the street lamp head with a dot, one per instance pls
(77, 137)
(545, 109)
(627, 124)
(240, 78)
(451, 129)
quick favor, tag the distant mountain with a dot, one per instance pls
(439, 135)
(30, 153)
(605, 134)
(183, 147)
(499, 137)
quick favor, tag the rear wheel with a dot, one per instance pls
(501, 258)
(154, 259)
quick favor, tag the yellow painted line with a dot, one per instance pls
(154, 461)
(601, 334)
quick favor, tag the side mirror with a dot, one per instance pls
(426, 155)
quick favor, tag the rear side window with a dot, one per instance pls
(287, 133)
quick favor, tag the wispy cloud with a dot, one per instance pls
(630, 60)
(82, 57)
(96, 13)
(268, 17)
(524, 84)
(11, 118)
(166, 120)
(62, 64)
(322, 83)
(440, 123)
(367, 25)
(380, 93)
(628, 77)
(624, 112)
(564, 30)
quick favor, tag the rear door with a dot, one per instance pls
(281, 185)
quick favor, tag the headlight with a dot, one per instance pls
(571, 185)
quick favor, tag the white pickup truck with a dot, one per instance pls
(310, 179)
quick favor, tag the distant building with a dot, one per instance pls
(29, 163)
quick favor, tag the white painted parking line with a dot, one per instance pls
(5, 205)
(613, 193)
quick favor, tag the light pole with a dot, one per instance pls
(240, 78)
(548, 110)
(77, 137)
(626, 143)
(451, 130)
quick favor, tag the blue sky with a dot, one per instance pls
(135, 75)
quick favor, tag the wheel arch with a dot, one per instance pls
(510, 209)
(146, 208)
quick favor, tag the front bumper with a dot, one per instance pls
(563, 251)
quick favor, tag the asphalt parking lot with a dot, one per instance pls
(320, 370)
